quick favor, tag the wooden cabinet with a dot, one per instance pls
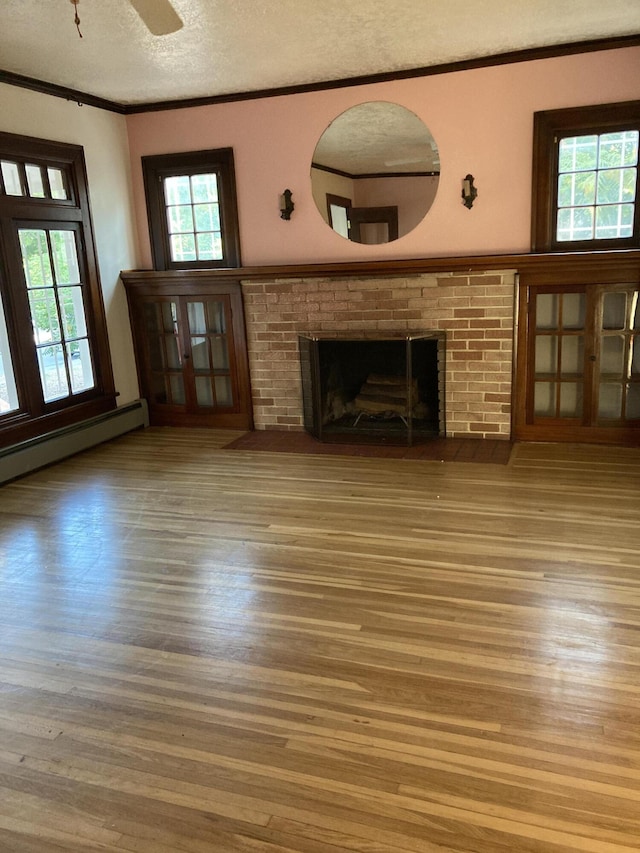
(191, 351)
(579, 358)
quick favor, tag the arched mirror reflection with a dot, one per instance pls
(375, 172)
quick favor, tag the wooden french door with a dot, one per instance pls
(191, 351)
(579, 363)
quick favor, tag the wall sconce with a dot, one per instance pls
(286, 205)
(469, 192)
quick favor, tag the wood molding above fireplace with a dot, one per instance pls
(548, 261)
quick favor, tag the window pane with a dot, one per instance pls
(177, 190)
(204, 188)
(35, 258)
(8, 391)
(216, 317)
(44, 316)
(615, 185)
(618, 149)
(573, 310)
(11, 178)
(547, 305)
(169, 316)
(614, 221)
(180, 219)
(614, 310)
(34, 181)
(204, 392)
(612, 355)
(207, 217)
(544, 404)
(576, 189)
(200, 354)
(196, 318)
(572, 361)
(79, 357)
(209, 246)
(610, 402)
(575, 223)
(65, 257)
(571, 400)
(73, 312)
(57, 183)
(578, 153)
(183, 247)
(546, 354)
(176, 386)
(172, 359)
(220, 353)
(224, 392)
(52, 373)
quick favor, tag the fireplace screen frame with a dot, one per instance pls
(313, 347)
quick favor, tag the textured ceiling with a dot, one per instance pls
(377, 137)
(234, 46)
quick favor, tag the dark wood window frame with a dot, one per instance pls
(34, 416)
(549, 128)
(158, 167)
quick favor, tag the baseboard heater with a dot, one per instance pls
(20, 459)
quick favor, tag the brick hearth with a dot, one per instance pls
(476, 312)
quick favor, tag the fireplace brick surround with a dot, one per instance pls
(476, 310)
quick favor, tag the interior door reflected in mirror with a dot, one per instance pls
(375, 172)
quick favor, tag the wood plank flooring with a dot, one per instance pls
(213, 650)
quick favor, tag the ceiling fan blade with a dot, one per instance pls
(159, 16)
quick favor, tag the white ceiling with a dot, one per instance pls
(237, 46)
(377, 137)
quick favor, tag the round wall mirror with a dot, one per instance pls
(375, 172)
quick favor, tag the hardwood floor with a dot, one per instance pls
(214, 650)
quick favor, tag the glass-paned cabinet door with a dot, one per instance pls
(191, 348)
(558, 357)
(618, 380)
(208, 323)
(162, 337)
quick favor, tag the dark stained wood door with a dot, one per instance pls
(191, 350)
(579, 362)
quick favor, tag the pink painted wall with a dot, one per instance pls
(482, 121)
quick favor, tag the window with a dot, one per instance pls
(191, 202)
(54, 358)
(58, 311)
(585, 181)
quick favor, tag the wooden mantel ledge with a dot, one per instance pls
(409, 266)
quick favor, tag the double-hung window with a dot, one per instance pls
(192, 208)
(54, 357)
(586, 178)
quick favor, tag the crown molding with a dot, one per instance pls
(80, 98)
(515, 56)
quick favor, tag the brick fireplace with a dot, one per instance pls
(475, 311)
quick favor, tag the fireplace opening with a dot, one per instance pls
(373, 388)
